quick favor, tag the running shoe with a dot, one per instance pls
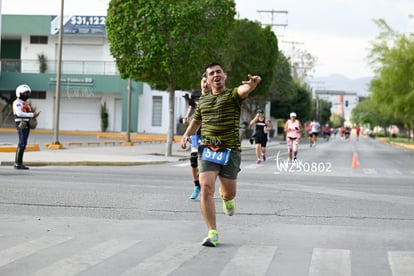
(212, 239)
(264, 157)
(258, 161)
(196, 193)
(229, 206)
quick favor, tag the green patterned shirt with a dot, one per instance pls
(220, 119)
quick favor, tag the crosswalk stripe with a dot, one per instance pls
(165, 261)
(28, 248)
(370, 171)
(327, 262)
(252, 166)
(182, 164)
(392, 171)
(250, 260)
(92, 256)
(401, 263)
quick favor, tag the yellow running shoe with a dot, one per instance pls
(229, 206)
(212, 239)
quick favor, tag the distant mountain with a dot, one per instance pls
(340, 82)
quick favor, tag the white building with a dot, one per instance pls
(89, 77)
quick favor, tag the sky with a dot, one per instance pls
(337, 32)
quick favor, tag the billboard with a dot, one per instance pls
(79, 24)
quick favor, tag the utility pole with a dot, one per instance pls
(292, 44)
(56, 144)
(272, 20)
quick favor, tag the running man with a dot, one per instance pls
(218, 114)
(315, 131)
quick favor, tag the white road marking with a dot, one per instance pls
(28, 248)
(165, 261)
(84, 260)
(250, 260)
(328, 262)
(401, 263)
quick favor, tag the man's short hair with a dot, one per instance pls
(211, 64)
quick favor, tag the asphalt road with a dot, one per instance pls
(319, 217)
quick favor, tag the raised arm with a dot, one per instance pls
(248, 86)
(253, 121)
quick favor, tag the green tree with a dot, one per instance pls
(324, 111)
(299, 101)
(283, 89)
(392, 57)
(301, 105)
(287, 94)
(372, 112)
(168, 43)
(337, 121)
(255, 51)
(104, 117)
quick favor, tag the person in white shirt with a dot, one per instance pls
(315, 131)
(22, 112)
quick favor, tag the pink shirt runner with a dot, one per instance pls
(292, 131)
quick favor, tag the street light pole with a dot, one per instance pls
(58, 77)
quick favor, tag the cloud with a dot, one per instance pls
(337, 32)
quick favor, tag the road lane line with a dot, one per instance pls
(28, 248)
(250, 260)
(182, 164)
(370, 171)
(328, 262)
(392, 171)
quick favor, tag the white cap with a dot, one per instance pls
(23, 88)
(292, 114)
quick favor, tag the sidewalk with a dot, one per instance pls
(109, 154)
(104, 155)
(86, 148)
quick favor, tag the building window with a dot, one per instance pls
(156, 111)
(38, 39)
(38, 95)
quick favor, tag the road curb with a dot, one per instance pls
(401, 145)
(84, 163)
(91, 163)
(12, 148)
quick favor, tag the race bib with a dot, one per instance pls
(221, 157)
